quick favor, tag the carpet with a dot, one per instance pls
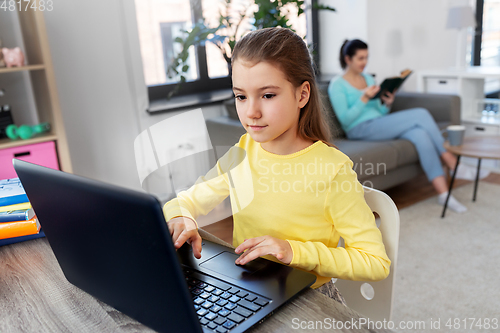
(449, 269)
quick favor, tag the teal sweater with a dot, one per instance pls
(349, 108)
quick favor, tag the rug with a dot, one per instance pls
(448, 273)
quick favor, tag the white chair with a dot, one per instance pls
(376, 303)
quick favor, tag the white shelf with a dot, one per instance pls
(468, 83)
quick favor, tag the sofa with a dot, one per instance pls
(379, 164)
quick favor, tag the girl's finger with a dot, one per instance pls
(254, 254)
(248, 243)
(177, 232)
(183, 237)
(248, 251)
(196, 245)
(244, 254)
(263, 248)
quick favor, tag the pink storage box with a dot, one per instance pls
(39, 153)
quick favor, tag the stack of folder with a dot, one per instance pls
(18, 221)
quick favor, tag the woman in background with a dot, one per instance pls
(364, 118)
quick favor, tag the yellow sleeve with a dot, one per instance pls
(364, 256)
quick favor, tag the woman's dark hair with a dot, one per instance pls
(288, 51)
(349, 48)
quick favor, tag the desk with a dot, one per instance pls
(35, 297)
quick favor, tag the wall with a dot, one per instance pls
(348, 22)
(409, 34)
(98, 69)
(401, 34)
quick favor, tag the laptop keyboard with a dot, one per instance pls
(221, 306)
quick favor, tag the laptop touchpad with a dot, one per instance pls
(224, 264)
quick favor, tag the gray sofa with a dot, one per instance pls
(381, 164)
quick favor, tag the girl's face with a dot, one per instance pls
(269, 105)
(358, 61)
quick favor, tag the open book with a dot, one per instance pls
(392, 83)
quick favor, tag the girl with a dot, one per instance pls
(292, 194)
(363, 118)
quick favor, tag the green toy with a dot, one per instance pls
(26, 132)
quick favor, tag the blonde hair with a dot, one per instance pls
(288, 51)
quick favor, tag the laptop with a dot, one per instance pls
(114, 244)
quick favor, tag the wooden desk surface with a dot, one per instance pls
(36, 297)
(477, 146)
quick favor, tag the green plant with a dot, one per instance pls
(232, 24)
(198, 35)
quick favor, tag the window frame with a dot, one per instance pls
(478, 41)
(478, 34)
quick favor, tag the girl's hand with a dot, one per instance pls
(388, 98)
(369, 92)
(261, 246)
(184, 229)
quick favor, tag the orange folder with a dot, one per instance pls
(19, 228)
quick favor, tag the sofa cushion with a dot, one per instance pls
(372, 158)
(445, 109)
(406, 152)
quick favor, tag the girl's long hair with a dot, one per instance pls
(285, 49)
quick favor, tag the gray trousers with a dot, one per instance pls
(415, 125)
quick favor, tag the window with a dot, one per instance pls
(490, 44)
(486, 50)
(161, 21)
(168, 32)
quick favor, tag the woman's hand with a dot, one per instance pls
(184, 229)
(369, 92)
(261, 246)
(388, 98)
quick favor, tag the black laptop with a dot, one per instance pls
(114, 244)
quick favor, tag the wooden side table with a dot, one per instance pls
(480, 147)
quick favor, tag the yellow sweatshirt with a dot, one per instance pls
(310, 198)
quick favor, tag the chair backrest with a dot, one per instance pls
(357, 294)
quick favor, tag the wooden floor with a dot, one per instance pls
(404, 195)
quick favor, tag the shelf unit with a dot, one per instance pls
(43, 86)
(468, 83)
